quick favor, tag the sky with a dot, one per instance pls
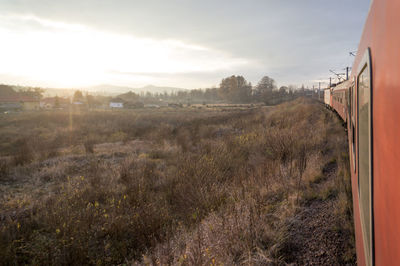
(178, 43)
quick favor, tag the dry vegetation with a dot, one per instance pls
(175, 187)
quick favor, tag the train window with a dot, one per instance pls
(352, 123)
(348, 92)
(364, 94)
(348, 103)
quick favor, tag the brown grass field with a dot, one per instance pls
(258, 186)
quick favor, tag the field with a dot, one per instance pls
(259, 185)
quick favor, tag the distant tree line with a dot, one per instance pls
(36, 92)
(10, 91)
(233, 89)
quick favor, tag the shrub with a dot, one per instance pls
(89, 146)
(23, 152)
(3, 169)
(197, 188)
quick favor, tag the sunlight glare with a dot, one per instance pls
(74, 55)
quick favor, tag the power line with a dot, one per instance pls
(339, 75)
(353, 53)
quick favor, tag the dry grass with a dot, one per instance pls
(184, 187)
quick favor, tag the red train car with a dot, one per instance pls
(373, 116)
(339, 99)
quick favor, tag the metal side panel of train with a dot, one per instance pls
(374, 136)
(339, 99)
(327, 97)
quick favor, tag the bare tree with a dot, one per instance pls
(235, 89)
(264, 89)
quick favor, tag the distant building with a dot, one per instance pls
(133, 105)
(54, 102)
(78, 106)
(175, 105)
(10, 104)
(29, 103)
(25, 103)
(151, 106)
(116, 103)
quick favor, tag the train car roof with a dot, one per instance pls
(342, 86)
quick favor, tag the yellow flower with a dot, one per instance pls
(58, 231)
(125, 197)
(96, 204)
(18, 225)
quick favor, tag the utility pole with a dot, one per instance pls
(319, 89)
(347, 73)
(330, 82)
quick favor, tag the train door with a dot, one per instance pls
(364, 153)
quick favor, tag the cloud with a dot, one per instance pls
(76, 55)
(292, 41)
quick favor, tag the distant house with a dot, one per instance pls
(175, 105)
(117, 103)
(10, 104)
(151, 106)
(11, 100)
(133, 105)
(25, 103)
(54, 102)
(29, 103)
(78, 105)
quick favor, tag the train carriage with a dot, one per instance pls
(369, 104)
(327, 97)
(339, 99)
